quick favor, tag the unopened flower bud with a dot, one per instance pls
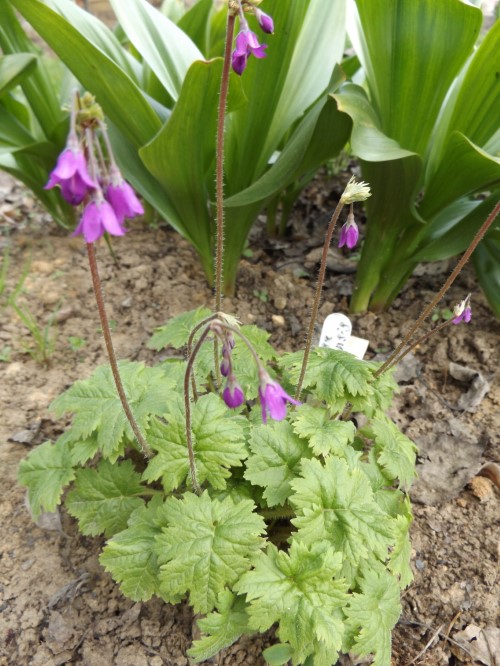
(265, 21)
(233, 394)
(349, 234)
(355, 191)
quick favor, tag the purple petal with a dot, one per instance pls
(124, 201)
(109, 220)
(233, 395)
(265, 21)
(259, 53)
(239, 62)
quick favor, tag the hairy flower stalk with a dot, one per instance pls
(451, 279)
(354, 191)
(462, 312)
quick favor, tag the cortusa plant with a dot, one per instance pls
(205, 485)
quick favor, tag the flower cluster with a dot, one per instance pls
(247, 42)
(273, 397)
(109, 198)
(462, 312)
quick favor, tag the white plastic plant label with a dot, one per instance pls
(336, 334)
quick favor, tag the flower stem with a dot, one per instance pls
(317, 296)
(96, 282)
(451, 279)
(219, 174)
(415, 344)
(187, 405)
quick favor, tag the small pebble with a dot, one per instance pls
(278, 320)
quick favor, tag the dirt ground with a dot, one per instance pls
(57, 606)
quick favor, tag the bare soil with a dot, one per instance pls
(57, 606)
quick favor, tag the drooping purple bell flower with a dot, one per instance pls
(98, 218)
(122, 197)
(233, 394)
(349, 234)
(71, 173)
(247, 43)
(265, 21)
(273, 398)
(462, 312)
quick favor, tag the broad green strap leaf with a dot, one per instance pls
(275, 459)
(298, 156)
(464, 168)
(486, 259)
(452, 231)
(411, 52)
(181, 159)
(298, 590)
(368, 140)
(39, 88)
(46, 471)
(207, 546)
(168, 51)
(335, 505)
(13, 69)
(97, 406)
(130, 557)
(222, 628)
(477, 106)
(196, 24)
(79, 42)
(218, 442)
(325, 435)
(372, 614)
(103, 499)
(13, 134)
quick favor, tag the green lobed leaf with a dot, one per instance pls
(334, 376)
(218, 443)
(399, 560)
(335, 505)
(275, 459)
(395, 452)
(130, 556)
(278, 654)
(97, 406)
(372, 614)
(207, 546)
(102, 499)
(325, 435)
(175, 333)
(45, 472)
(221, 628)
(298, 590)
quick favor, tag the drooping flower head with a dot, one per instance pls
(273, 398)
(247, 44)
(98, 218)
(71, 173)
(233, 394)
(349, 234)
(121, 196)
(462, 311)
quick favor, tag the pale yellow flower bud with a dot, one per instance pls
(355, 191)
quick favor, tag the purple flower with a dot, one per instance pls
(273, 399)
(97, 219)
(122, 197)
(225, 366)
(265, 21)
(71, 173)
(349, 234)
(247, 43)
(233, 394)
(462, 312)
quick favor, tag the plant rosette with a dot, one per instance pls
(299, 523)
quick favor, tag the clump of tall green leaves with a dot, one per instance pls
(160, 98)
(302, 524)
(425, 127)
